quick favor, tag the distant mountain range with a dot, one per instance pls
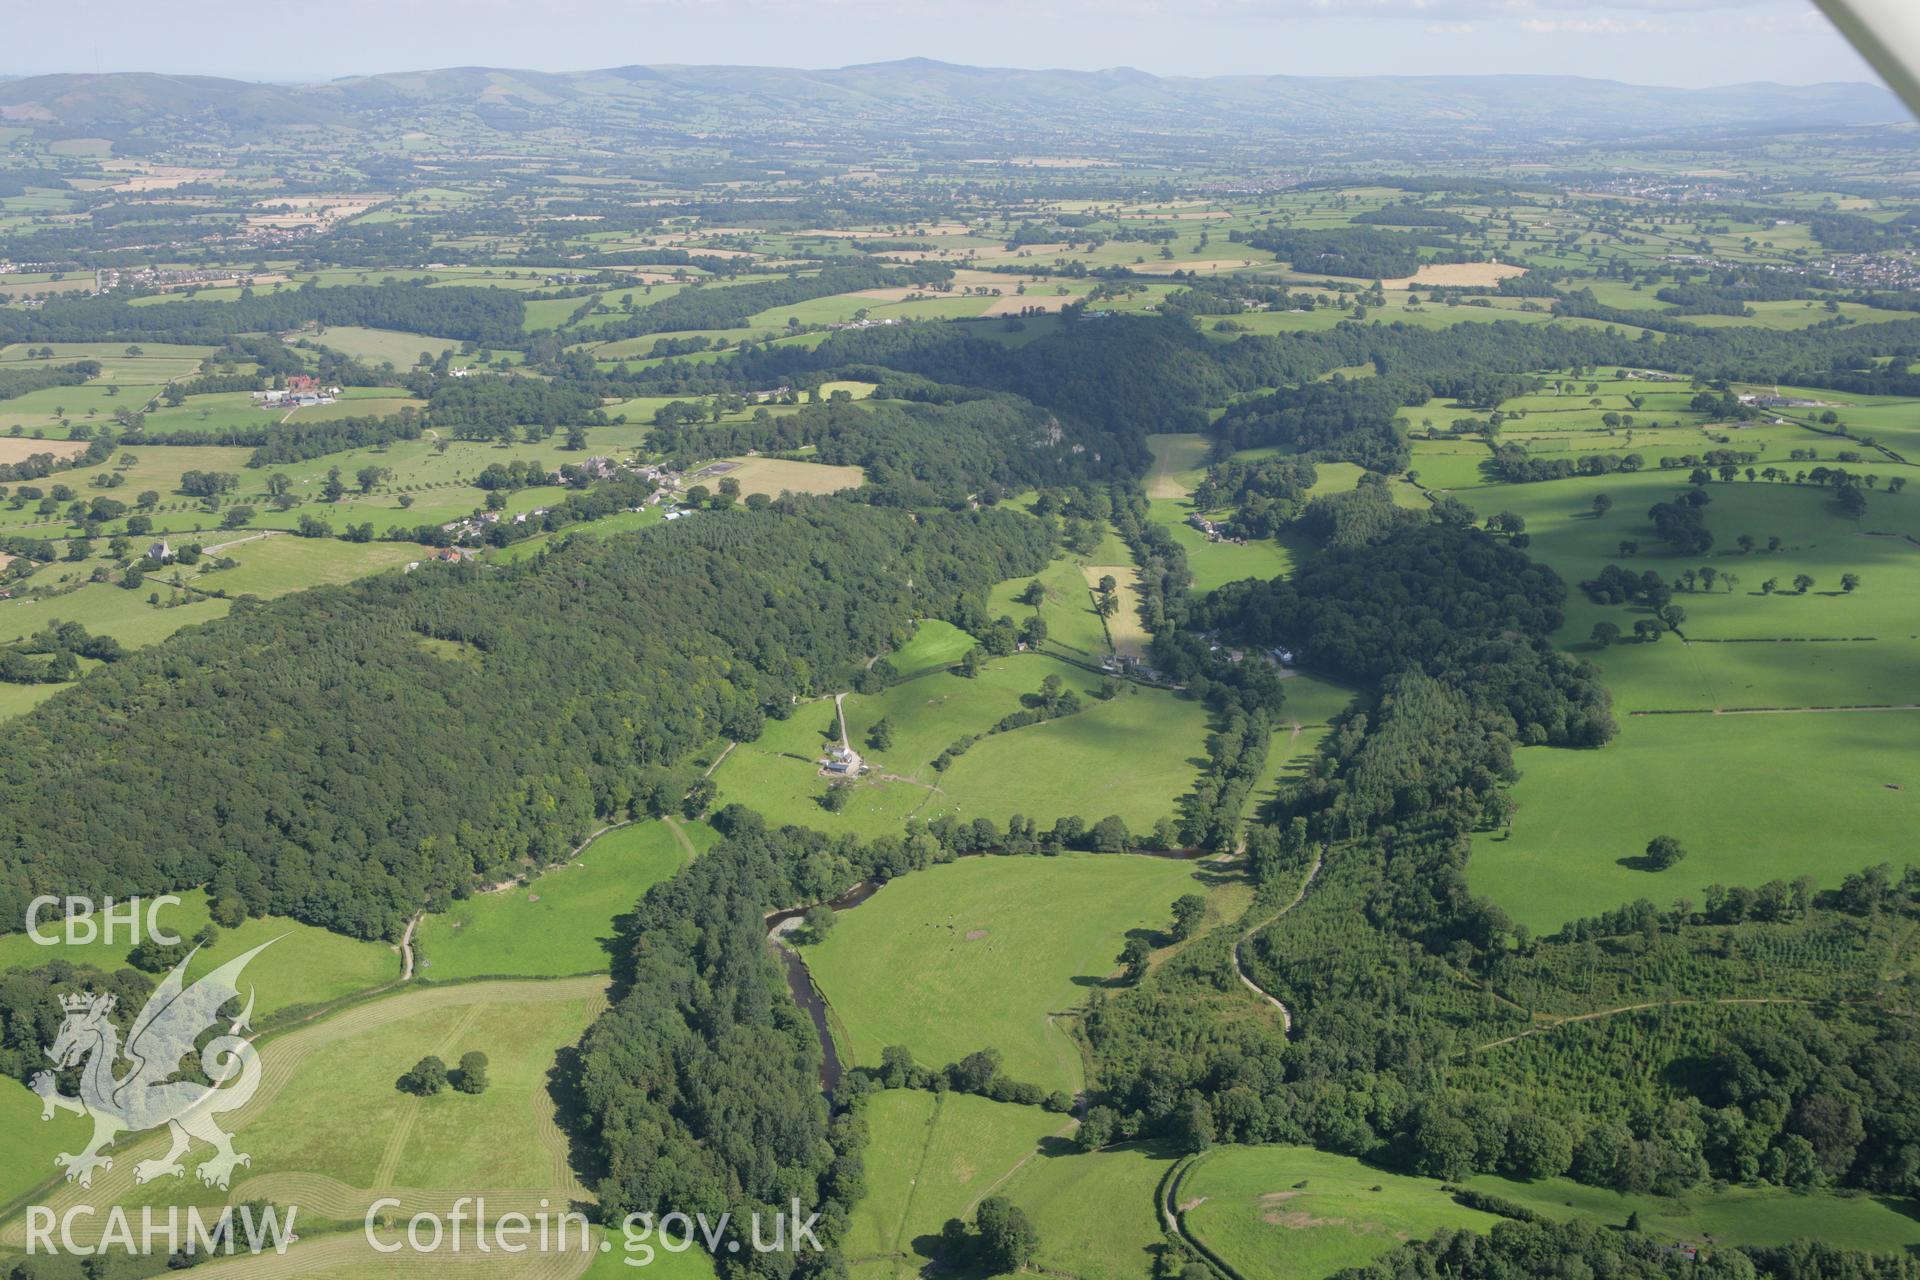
(930, 99)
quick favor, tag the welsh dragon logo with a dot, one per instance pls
(150, 1094)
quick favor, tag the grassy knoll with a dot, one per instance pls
(559, 923)
(778, 775)
(1290, 1213)
(989, 956)
(931, 1157)
(304, 966)
(934, 644)
(1752, 797)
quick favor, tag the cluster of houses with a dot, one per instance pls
(1215, 531)
(445, 555)
(1777, 401)
(301, 390)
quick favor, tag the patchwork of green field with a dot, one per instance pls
(560, 922)
(1816, 539)
(303, 965)
(989, 956)
(330, 1131)
(1751, 797)
(1095, 1211)
(931, 1157)
(1289, 1213)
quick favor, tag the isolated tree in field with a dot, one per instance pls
(1005, 1237)
(1133, 957)
(472, 1075)
(1189, 909)
(880, 737)
(1673, 615)
(428, 1077)
(1605, 633)
(1664, 852)
(1745, 543)
(1628, 547)
(1035, 593)
(1602, 504)
(1802, 583)
(1107, 584)
(1107, 606)
(1647, 630)
(836, 798)
(1708, 574)
(1768, 587)
(1849, 582)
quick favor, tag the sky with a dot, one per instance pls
(1670, 42)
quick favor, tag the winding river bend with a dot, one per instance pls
(800, 985)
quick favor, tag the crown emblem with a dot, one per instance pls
(79, 1002)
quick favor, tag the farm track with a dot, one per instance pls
(1239, 965)
(1599, 1014)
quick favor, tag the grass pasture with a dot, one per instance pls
(303, 965)
(329, 1131)
(1752, 798)
(1291, 1213)
(558, 924)
(988, 956)
(931, 1157)
(1095, 1210)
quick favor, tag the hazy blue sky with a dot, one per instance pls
(1688, 42)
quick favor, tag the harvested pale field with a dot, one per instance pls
(15, 449)
(1206, 266)
(1125, 627)
(774, 476)
(142, 176)
(1461, 275)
